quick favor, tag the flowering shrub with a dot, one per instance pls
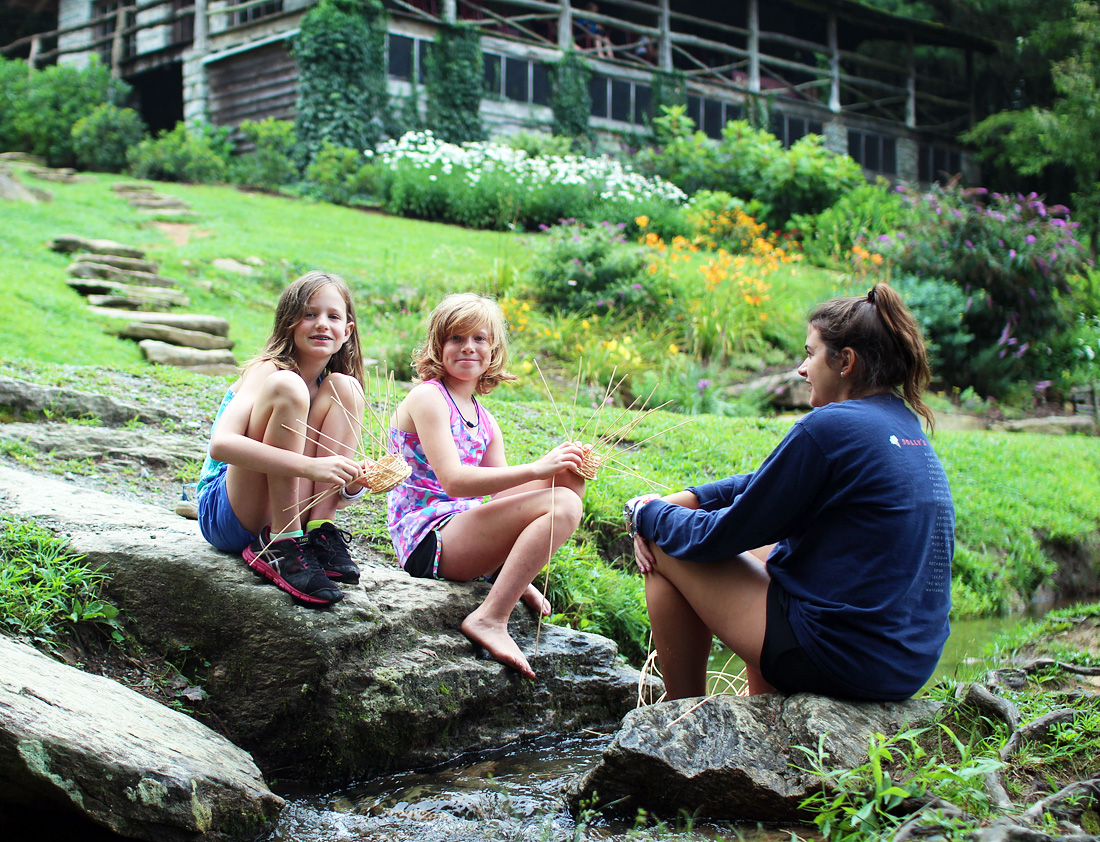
(1013, 257)
(585, 269)
(725, 311)
(491, 185)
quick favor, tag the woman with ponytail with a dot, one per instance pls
(828, 569)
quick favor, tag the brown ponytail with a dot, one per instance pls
(886, 338)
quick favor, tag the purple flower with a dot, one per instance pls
(1011, 253)
(884, 238)
(969, 244)
(635, 286)
(1029, 239)
(702, 385)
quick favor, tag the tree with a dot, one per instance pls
(1037, 138)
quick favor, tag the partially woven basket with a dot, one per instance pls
(386, 474)
(591, 462)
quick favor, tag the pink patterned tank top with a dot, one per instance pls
(420, 504)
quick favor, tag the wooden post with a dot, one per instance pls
(202, 28)
(117, 42)
(565, 26)
(910, 83)
(754, 46)
(450, 11)
(664, 40)
(834, 65)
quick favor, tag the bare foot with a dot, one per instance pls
(498, 642)
(533, 599)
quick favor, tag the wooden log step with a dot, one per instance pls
(129, 263)
(162, 353)
(159, 295)
(72, 242)
(214, 325)
(176, 336)
(102, 271)
(132, 187)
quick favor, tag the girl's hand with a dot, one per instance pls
(567, 455)
(643, 555)
(333, 470)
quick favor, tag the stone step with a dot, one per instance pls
(103, 271)
(72, 242)
(159, 203)
(176, 336)
(128, 263)
(123, 302)
(162, 353)
(214, 325)
(132, 187)
(158, 295)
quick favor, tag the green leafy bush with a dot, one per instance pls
(862, 213)
(752, 164)
(540, 144)
(194, 156)
(939, 307)
(454, 83)
(102, 139)
(53, 100)
(14, 81)
(338, 174)
(269, 165)
(579, 269)
(342, 96)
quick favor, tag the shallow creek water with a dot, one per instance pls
(517, 793)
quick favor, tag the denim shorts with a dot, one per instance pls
(217, 521)
(784, 664)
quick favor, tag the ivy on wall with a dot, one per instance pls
(342, 97)
(570, 98)
(454, 84)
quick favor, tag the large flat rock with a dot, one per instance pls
(382, 680)
(82, 743)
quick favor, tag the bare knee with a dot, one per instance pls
(568, 509)
(347, 390)
(286, 389)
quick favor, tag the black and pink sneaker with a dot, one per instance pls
(330, 546)
(291, 565)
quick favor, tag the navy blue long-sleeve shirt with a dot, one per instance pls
(860, 510)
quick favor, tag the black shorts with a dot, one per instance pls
(421, 561)
(784, 664)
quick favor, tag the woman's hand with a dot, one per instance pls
(643, 555)
(567, 455)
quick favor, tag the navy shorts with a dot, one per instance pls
(217, 520)
(784, 664)
(423, 562)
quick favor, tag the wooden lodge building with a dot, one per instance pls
(836, 68)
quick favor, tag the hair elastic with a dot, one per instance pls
(871, 295)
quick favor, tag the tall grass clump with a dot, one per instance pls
(46, 589)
